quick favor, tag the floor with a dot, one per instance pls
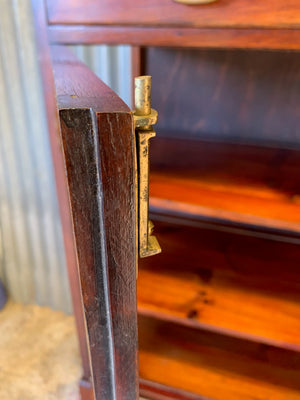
(39, 355)
(39, 358)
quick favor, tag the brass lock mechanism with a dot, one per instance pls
(144, 118)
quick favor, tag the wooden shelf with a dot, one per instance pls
(222, 301)
(233, 184)
(214, 366)
(222, 310)
(258, 207)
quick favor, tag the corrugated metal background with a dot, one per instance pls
(32, 260)
(112, 64)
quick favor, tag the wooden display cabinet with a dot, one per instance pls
(219, 309)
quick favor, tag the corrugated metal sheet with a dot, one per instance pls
(112, 64)
(32, 261)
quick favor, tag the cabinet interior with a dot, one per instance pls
(220, 307)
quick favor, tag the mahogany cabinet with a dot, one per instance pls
(218, 14)
(271, 24)
(219, 309)
(99, 152)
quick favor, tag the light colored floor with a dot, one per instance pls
(39, 356)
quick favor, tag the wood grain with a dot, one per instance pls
(228, 95)
(215, 366)
(250, 186)
(79, 126)
(282, 39)
(221, 14)
(157, 391)
(275, 260)
(227, 304)
(98, 144)
(223, 282)
(224, 202)
(223, 297)
(206, 280)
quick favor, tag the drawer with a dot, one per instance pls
(168, 13)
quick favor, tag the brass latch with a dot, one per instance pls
(144, 118)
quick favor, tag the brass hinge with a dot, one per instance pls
(144, 118)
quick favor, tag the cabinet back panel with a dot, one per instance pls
(230, 95)
(251, 166)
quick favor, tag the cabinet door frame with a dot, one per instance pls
(99, 152)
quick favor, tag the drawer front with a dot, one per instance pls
(219, 14)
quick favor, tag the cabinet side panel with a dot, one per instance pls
(80, 143)
(118, 168)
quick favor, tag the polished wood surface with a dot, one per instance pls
(236, 119)
(229, 183)
(281, 39)
(215, 281)
(156, 391)
(243, 24)
(98, 144)
(177, 37)
(224, 200)
(248, 96)
(215, 366)
(227, 303)
(219, 308)
(220, 14)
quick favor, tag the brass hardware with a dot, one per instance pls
(144, 118)
(194, 2)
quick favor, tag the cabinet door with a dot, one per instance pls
(99, 152)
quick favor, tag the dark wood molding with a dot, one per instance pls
(98, 143)
(246, 38)
(159, 13)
